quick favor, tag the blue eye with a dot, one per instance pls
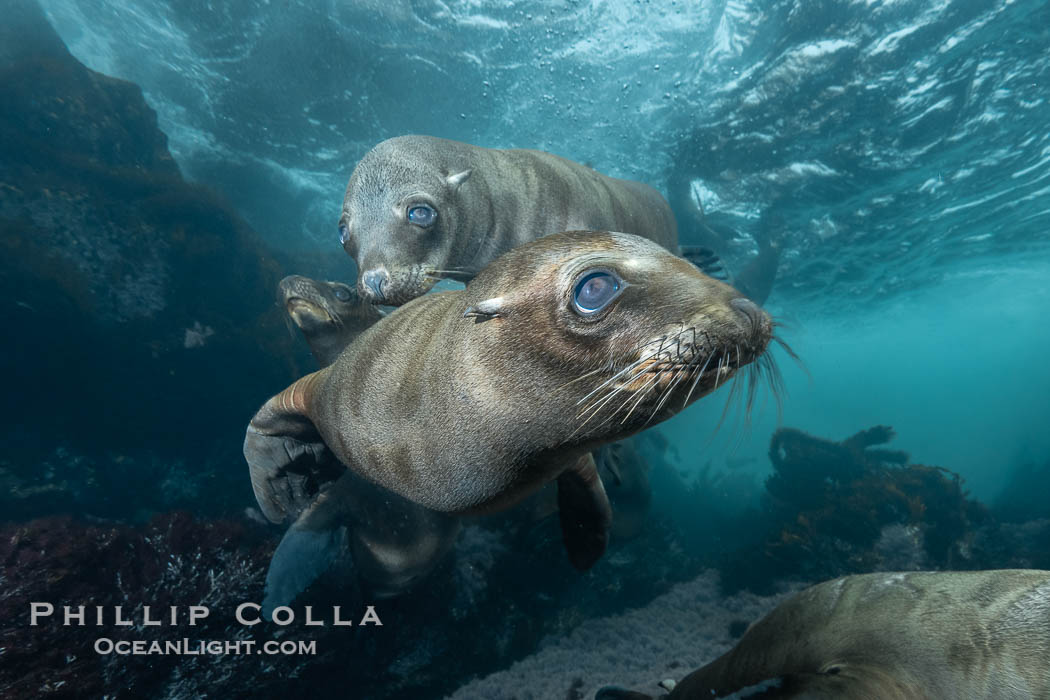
(421, 215)
(342, 294)
(594, 291)
(344, 234)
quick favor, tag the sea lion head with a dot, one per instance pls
(329, 314)
(612, 331)
(403, 204)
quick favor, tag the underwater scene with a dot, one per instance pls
(526, 350)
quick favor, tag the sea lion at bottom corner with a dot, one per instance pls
(420, 208)
(329, 314)
(468, 401)
(948, 635)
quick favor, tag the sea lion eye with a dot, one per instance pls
(344, 234)
(342, 294)
(421, 215)
(594, 291)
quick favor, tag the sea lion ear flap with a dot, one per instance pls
(485, 310)
(454, 181)
(287, 459)
(585, 514)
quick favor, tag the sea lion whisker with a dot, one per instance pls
(599, 403)
(733, 390)
(613, 378)
(699, 376)
(718, 370)
(684, 371)
(754, 374)
(596, 406)
(580, 378)
(642, 393)
(791, 353)
(454, 273)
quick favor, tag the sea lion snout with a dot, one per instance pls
(372, 284)
(756, 319)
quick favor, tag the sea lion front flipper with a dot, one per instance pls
(705, 259)
(287, 459)
(585, 513)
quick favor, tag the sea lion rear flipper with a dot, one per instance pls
(585, 513)
(705, 259)
(287, 459)
(302, 556)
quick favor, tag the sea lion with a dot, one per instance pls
(891, 636)
(419, 208)
(329, 314)
(625, 474)
(393, 542)
(468, 401)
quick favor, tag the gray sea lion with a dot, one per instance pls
(419, 208)
(891, 636)
(393, 542)
(468, 401)
(329, 314)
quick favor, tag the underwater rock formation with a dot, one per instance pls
(130, 295)
(486, 606)
(122, 484)
(853, 506)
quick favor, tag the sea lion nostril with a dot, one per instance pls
(748, 309)
(375, 280)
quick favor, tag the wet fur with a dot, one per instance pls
(511, 197)
(393, 542)
(895, 636)
(464, 413)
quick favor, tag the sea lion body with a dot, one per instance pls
(468, 401)
(485, 202)
(893, 636)
(393, 542)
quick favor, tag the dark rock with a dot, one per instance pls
(138, 307)
(836, 508)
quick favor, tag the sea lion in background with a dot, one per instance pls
(329, 314)
(625, 474)
(757, 276)
(468, 401)
(891, 636)
(419, 208)
(393, 542)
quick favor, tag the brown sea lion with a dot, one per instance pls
(419, 208)
(329, 314)
(468, 401)
(393, 542)
(890, 636)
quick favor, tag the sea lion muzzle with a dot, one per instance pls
(372, 284)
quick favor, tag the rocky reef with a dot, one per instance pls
(833, 508)
(138, 306)
(490, 603)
